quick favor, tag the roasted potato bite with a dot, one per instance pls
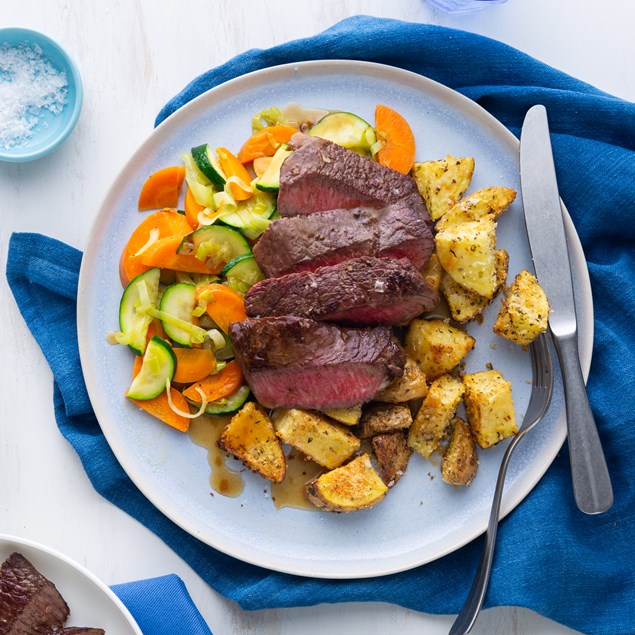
(315, 436)
(491, 200)
(466, 305)
(250, 437)
(431, 423)
(442, 183)
(460, 459)
(411, 385)
(525, 311)
(392, 454)
(347, 416)
(436, 347)
(490, 407)
(433, 272)
(466, 252)
(349, 488)
(381, 418)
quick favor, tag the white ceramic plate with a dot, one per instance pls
(91, 602)
(422, 518)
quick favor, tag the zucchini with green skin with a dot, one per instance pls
(270, 180)
(178, 301)
(202, 188)
(230, 404)
(347, 130)
(242, 273)
(252, 216)
(158, 367)
(207, 162)
(133, 322)
(215, 245)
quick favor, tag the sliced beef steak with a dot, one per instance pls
(29, 603)
(294, 362)
(78, 630)
(304, 243)
(321, 175)
(361, 292)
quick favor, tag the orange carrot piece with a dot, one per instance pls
(159, 407)
(163, 224)
(217, 386)
(224, 305)
(265, 142)
(155, 328)
(398, 151)
(260, 165)
(163, 254)
(162, 188)
(192, 209)
(193, 364)
(231, 166)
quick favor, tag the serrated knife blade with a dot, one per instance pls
(548, 242)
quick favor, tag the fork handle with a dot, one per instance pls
(590, 476)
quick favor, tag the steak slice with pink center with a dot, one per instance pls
(294, 362)
(361, 292)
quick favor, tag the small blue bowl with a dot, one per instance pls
(56, 128)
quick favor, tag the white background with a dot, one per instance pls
(134, 55)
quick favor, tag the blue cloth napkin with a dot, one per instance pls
(162, 606)
(550, 557)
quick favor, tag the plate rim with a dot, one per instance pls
(325, 67)
(83, 571)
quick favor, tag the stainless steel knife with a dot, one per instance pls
(543, 216)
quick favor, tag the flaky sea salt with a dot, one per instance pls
(29, 84)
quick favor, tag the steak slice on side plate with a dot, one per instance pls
(304, 243)
(360, 292)
(321, 175)
(29, 603)
(293, 362)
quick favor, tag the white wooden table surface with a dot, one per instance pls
(133, 56)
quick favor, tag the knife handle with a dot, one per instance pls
(591, 481)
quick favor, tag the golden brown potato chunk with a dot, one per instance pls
(250, 437)
(466, 252)
(442, 183)
(433, 272)
(432, 421)
(465, 305)
(392, 454)
(436, 347)
(460, 459)
(381, 418)
(525, 311)
(349, 488)
(491, 200)
(411, 385)
(347, 416)
(314, 435)
(490, 407)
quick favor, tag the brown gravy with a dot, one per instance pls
(290, 493)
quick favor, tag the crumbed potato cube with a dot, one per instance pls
(392, 454)
(489, 407)
(465, 305)
(313, 434)
(347, 416)
(491, 200)
(466, 252)
(431, 423)
(460, 459)
(250, 437)
(433, 272)
(442, 183)
(436, 347)
(525, 311)
(411, 385)
(349, 488)
(381, 418)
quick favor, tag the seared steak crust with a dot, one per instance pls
(321, 175)
(294, 362)
(304, 243)
(29, 603)
(362, 292)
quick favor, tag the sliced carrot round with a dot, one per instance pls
(224, 305)
(398, 151)
(193, 364)
(260, 165)
(162, 188)
(232, 167)
(163, 254)
(217, 386)
(265, 142)
(192, 209)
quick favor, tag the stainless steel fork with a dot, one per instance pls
(542, 388)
